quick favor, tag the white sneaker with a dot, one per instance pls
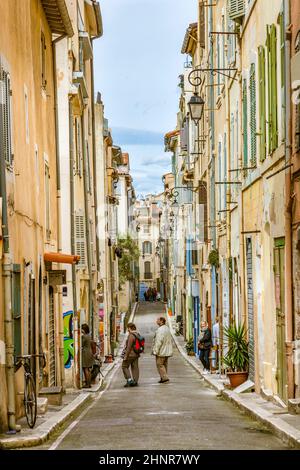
(204, 372)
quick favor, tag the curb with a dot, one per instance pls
(281, 429)
(46, 429)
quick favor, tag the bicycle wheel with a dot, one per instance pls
(30, 402)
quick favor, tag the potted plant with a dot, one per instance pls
(237, 357)
(189, 347)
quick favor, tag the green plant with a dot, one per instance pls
(130, 255)
(189, 345)
(213, 258)
(237, 357)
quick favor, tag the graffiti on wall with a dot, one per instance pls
(68, 339)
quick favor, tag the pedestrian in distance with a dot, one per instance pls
(204, 346)
(162, 349)
(131, 353)
(87, 355)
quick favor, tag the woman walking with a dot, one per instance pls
(87, 355)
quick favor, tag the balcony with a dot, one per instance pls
(148, 276)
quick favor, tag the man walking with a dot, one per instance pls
(130, 358)
(204, 345)
(162, 349)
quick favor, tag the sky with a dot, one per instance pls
(137, 64)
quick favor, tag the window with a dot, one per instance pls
(5, 115)
(147, 248)
(271, 44)
(89, 184)
(16, 307)
(147, 270)
(80, 246)
(231, 42)
(252, 87)
(43, 60)
(47, 200)
(78, 147)
(245, 123)
(262, 102)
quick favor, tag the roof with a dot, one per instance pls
(58, 17)
(190, 39)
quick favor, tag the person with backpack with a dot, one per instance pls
(162, 349)
(131, 353)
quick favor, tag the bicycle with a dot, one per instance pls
(30, 398)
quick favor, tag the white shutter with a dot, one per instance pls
(80, 247)
(236, 9)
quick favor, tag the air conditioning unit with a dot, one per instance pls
(237, 10)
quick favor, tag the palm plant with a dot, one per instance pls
(237, 357)
(189, 346)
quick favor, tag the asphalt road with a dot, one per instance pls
(183, 414)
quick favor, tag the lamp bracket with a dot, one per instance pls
(196, 80)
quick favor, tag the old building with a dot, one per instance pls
(30, 313)
(234, 160)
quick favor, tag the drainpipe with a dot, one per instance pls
(212, 172)
(94, 164)
(288, 214)
(58, 203)
(73, 247)
(8, 320)
(87, 223)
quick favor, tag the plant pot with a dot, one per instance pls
(237, 378)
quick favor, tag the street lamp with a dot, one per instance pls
(196, 107)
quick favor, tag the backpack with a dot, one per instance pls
(139, 343)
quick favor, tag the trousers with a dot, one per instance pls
(130, 368)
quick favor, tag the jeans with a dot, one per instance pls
(204, 358)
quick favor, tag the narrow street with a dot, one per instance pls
(184, 414)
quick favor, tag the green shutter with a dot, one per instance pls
(274, 100)
(16, 308)
(282, 64)
(272, 87)
(262, 102)
(253, 114)
(245, 123)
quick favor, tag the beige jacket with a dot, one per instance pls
(162, 342)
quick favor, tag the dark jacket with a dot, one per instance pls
(206, 339)
(87, 355)
(128, 351)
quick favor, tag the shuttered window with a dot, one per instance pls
(262, 102)
(252, 87)
(47, 201)
(5, 116)
(245, 123)
(236, 9)
(80, 245)
(225, 171)
(272, 87)
(16, 308)
(78, 146)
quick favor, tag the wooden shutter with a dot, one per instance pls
(80, 247)
(5, 116)
(16, 308)
(262, 102)
(253, 114)
(43, 60)
(236, 9)
(202, 25)
(274, 100)
(272, 87)
(245, 123)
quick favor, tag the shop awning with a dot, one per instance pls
(61, 258)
